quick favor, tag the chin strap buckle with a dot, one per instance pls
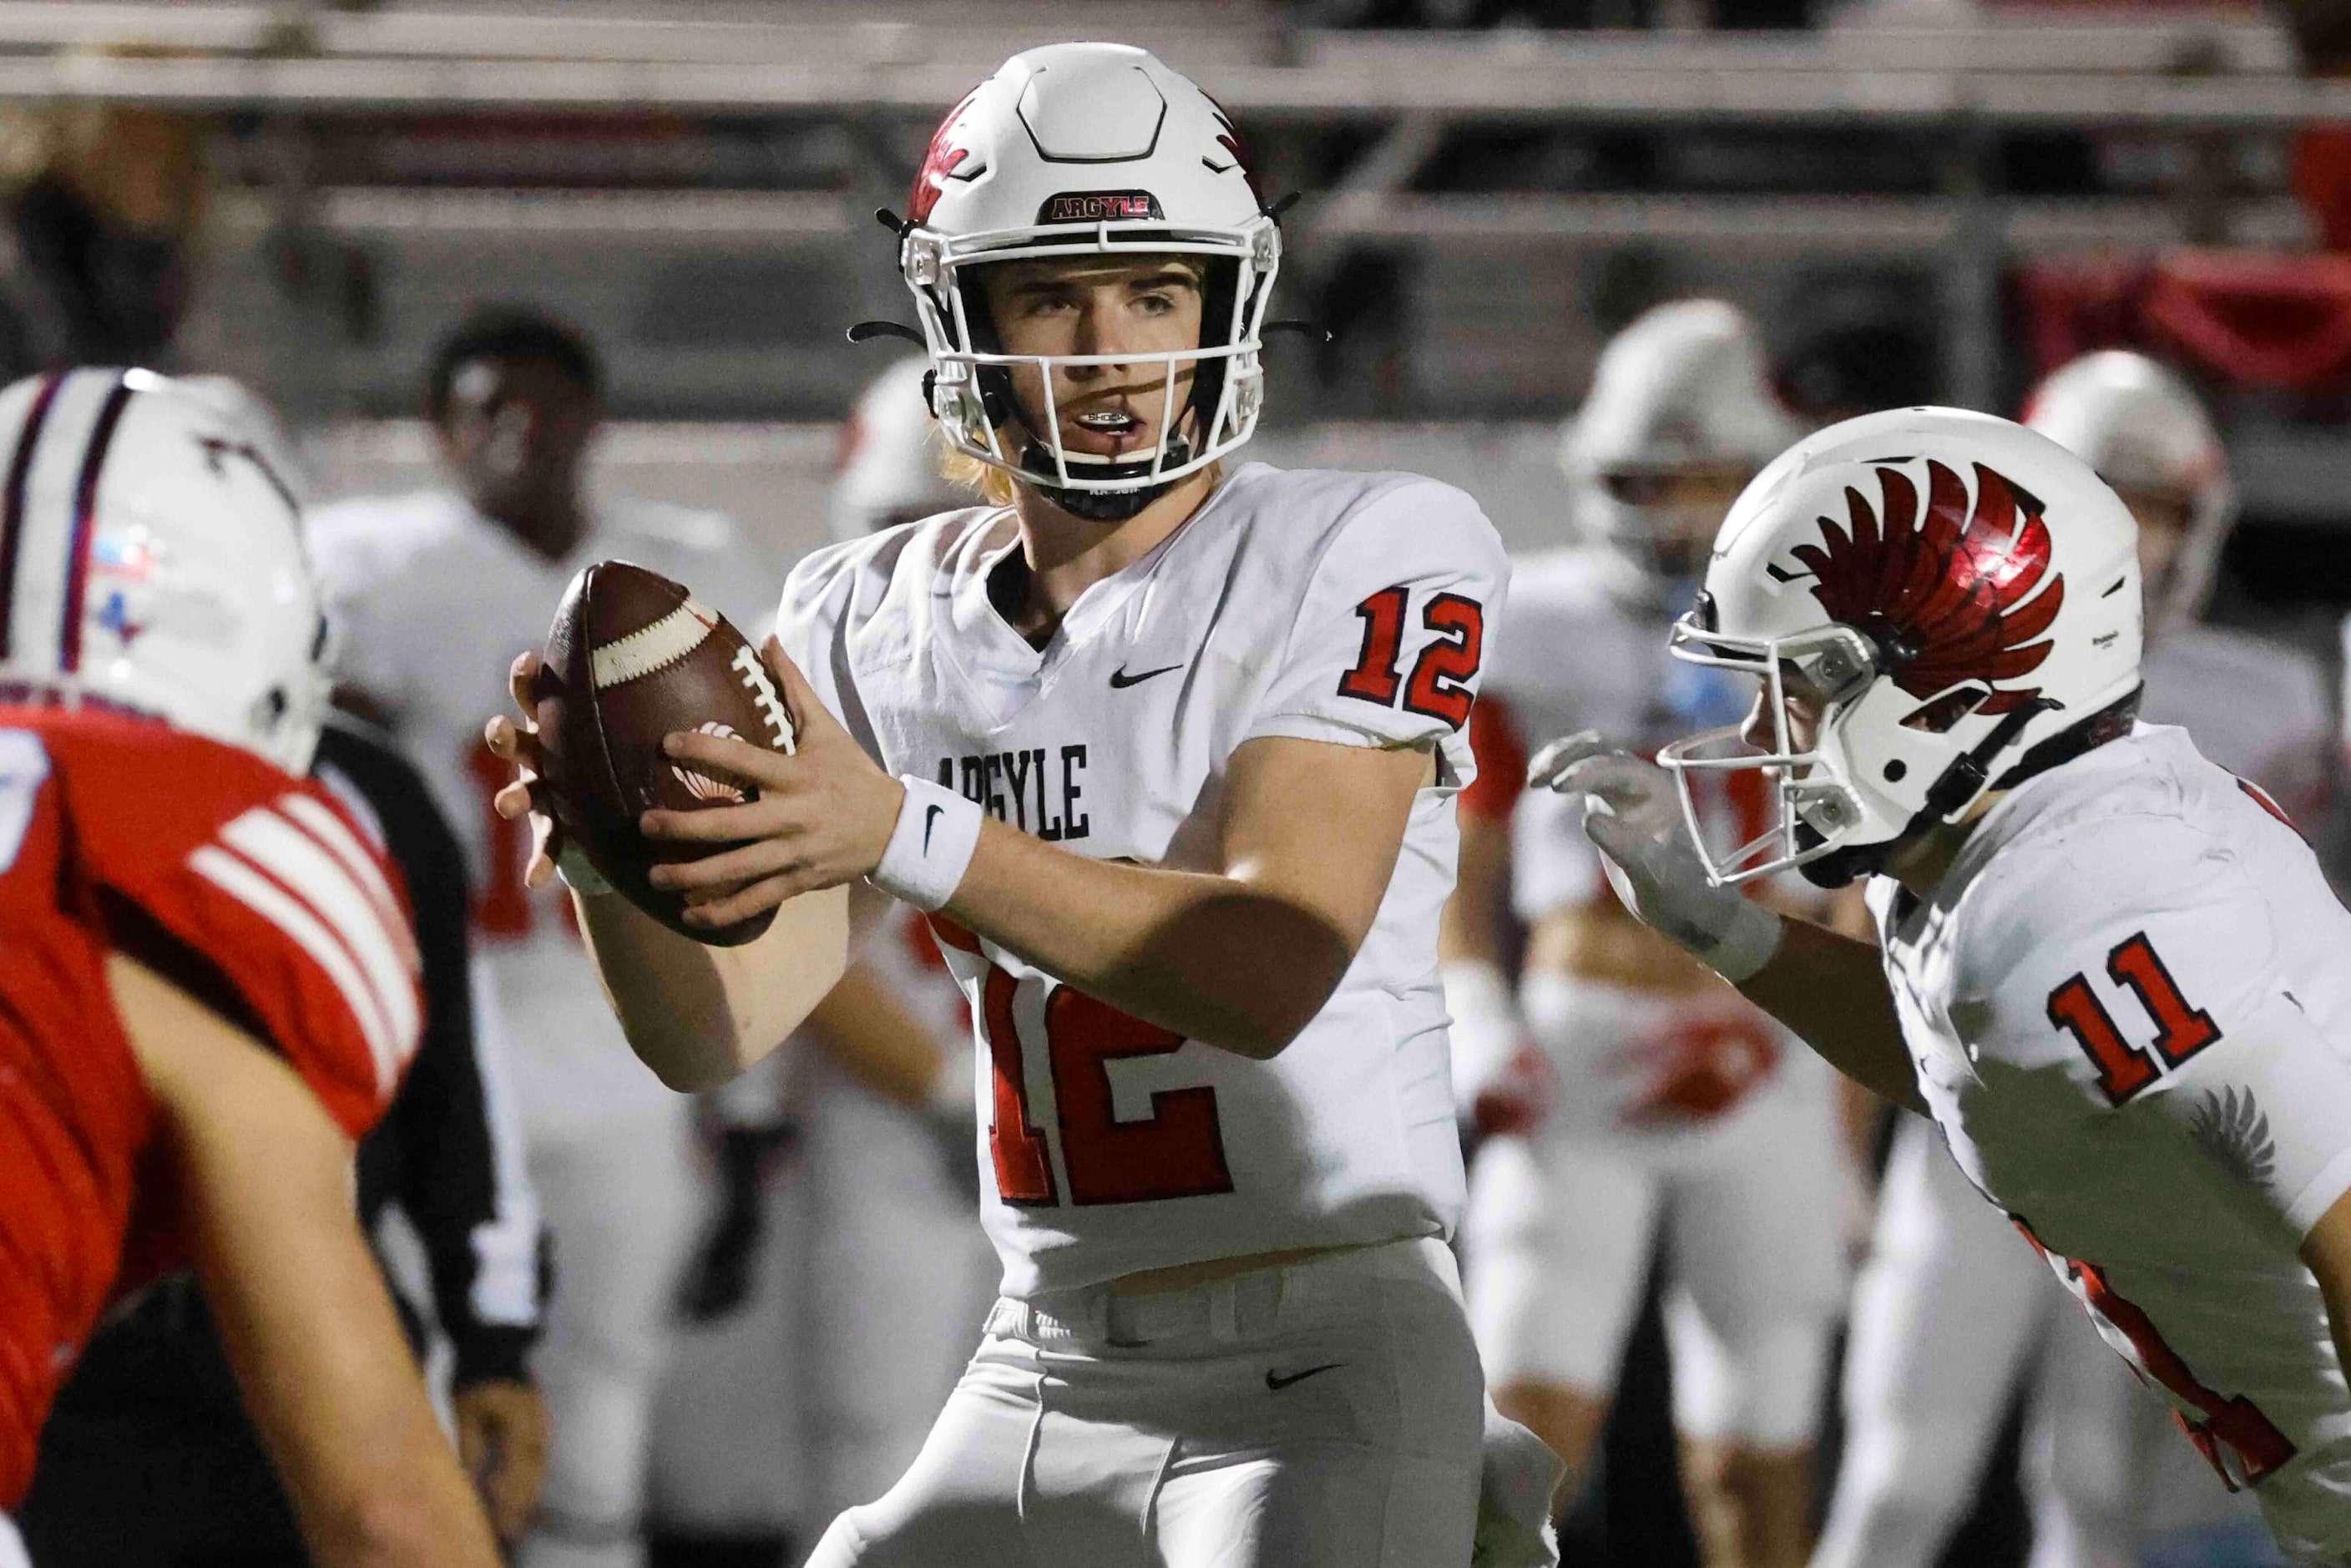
(1963, 780)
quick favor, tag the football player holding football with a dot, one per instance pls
(208, 988)
(2110, 970)
(1657, 1104)
(1949, 1314)
(1176, 746)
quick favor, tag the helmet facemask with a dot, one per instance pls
(1207, 395)
(1809, 779)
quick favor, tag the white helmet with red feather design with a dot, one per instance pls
(1090, 149)
(1959, 595)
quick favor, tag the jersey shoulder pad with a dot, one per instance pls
(852, 578)
(1303, 512)
(266, 878)
(2141, 825)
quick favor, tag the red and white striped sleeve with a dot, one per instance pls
(269, 882)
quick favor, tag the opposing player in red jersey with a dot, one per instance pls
(207, 987)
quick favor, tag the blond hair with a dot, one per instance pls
(966, 472)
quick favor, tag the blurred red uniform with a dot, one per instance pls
(251, 889)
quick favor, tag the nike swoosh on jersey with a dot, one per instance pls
(1120, 680)
(930, 821)
(1276, 1382)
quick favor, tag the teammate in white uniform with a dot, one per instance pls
(1950, 1315)
(1674, 1108)
(429, 592)
(1200, 732)
(2110, 970)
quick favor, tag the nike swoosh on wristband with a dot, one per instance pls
(1275, 1382)
(1120, 680)
(930, 821)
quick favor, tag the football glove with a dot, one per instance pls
(1632, 817)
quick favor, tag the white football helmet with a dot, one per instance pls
(890, 451)
(151, 561)
(1089, 150)
(1682, 388)
(2142, 429)
(1958, 594)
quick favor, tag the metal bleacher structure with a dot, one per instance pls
(695, 179)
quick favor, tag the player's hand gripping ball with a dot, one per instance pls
(632, 658)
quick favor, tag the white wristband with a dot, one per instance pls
(573, 865)
(931, 846)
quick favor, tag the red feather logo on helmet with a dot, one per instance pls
(1957, 598)
(939, 164)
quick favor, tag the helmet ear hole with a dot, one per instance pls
(1937, 717)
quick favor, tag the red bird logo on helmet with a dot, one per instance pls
(940, 163)
(1955, 599)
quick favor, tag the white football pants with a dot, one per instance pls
(1951, 1311)
(622, 1205)
(1328, 1414)
(1561, 1229)
(12, 1546)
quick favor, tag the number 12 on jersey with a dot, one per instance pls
(1177, 1151)
(1437, 689)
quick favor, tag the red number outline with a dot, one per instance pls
(1178, 1151)
(1024, 1167)
(2181, 1029)
(1374, 678)
(1435, 691)
(2122, 1070)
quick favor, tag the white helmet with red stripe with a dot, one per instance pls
(1090, 149)
(151, 561)
(2147, 435)
(1955, 596)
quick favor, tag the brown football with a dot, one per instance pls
(630, 658)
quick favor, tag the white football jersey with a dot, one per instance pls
(430, 602)
(2130, 1016)
(1585, 647)
(1343, 607)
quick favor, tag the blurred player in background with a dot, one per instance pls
(1215, 718)
(1650, 1101)
(1951, 1316)
(428, 592)
(1942, 612)
(208, 988)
